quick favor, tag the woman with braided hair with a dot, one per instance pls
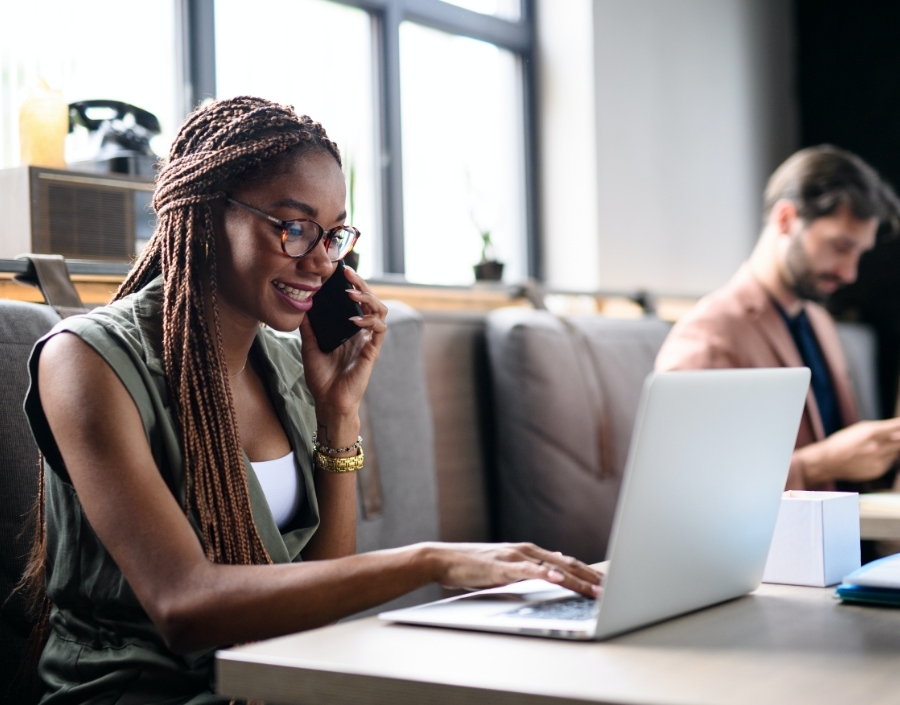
(198, 487)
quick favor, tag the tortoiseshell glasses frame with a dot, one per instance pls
(300, 236)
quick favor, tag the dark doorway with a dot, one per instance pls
(848, 80)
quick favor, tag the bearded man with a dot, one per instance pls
(823, 208)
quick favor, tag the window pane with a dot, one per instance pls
(316, 56)
(86, 53)
(462, 155)
(504, 9)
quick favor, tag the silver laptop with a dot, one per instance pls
(708, 460)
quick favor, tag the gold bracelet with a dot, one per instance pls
(331, 464)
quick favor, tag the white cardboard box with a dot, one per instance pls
(816, 539)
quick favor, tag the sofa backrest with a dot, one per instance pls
(860, 347)
(21, 324)
(566, 394)
(459, 393)
(398, 499)
(463, 452)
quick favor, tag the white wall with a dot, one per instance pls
(692, 108)
(567, 122)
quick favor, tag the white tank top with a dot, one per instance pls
(280, 485)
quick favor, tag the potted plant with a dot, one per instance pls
(488, 269)
(481, 214)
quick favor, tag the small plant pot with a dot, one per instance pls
(488, 271)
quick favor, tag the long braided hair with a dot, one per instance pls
(219, 146)
(216, 146)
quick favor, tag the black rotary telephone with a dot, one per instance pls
(123, 133)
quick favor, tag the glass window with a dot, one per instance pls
(109, 49)
(504, 9)
(316, 56)
(463, 145)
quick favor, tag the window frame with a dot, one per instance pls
(199, 72)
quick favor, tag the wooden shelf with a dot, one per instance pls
(426, 298)
(96, 290)
(97, 282)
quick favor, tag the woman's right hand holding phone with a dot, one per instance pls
(338, 379)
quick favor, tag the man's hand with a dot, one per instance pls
(863, 451)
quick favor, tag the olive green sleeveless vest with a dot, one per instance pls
(103, 648)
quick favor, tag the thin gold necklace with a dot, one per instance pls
(234, 376)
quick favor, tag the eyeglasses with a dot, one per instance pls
(299, 237)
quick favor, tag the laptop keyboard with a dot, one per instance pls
(574, 608)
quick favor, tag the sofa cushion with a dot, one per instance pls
(459, 393)
(860, 348)
(401, 441)
(21, 324)
(566, 394)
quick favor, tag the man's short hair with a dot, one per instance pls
(820, 180)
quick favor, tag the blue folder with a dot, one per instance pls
(877, 582)
(876, 596)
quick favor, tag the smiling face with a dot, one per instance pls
(256, 280)
(823, 255)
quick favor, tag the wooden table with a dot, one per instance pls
(879, 516)
(782, 644)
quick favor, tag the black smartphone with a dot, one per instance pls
(331, 311)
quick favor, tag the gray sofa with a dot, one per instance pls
(533, 416)
(512, 425)
(21, 324)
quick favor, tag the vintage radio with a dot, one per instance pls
(75, 214)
